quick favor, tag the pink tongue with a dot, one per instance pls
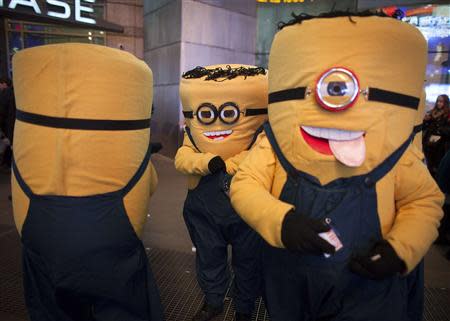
(349, 152)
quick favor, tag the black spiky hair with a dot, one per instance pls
(297, 19)
(222, 74)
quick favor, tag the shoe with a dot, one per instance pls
(243, 317)
(207, 312)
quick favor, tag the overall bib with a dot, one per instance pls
(312, 288)
(82, 260)
(213, 224)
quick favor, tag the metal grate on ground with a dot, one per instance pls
(175, 276)
(181, 296)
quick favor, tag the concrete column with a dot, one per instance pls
(182, 34)
(129, 14)
(162, 50)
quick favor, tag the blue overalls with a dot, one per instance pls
(82, 260)
(213, 224)
(312, 288)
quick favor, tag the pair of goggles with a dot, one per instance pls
(229, 113)
(338, 89)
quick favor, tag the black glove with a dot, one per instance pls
(216, 164)
(381, 262)
(300, 234)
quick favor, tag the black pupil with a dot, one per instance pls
(337, 89)
(206, 114)
(229, 113)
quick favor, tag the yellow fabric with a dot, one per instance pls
(248, 93)
(90, 82)
(409, 201)
(191, 162)
(383, 53)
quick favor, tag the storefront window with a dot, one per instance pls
(21, 35)
(434, 23)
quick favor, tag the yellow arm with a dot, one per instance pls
(419, 209)
(234, 162)
(251, 197)
(190, 161)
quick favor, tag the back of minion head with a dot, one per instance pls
(224, 105)
(344, 91)
(70, 82)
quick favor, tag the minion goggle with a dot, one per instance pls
(229, 113)
(338, 89)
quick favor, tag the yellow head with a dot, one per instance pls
(359, 83)
(224, 112)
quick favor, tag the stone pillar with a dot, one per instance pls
(162, 50)
(182, 34)
(129, 14)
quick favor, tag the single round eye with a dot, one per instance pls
(337, 89)
(206, 114)
(229, 113)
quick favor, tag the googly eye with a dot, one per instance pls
(337, 89)
(229, 113)
(206, 114)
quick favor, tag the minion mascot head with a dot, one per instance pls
(224, 105)
(335, 182)
(347, 97)
(58, 83)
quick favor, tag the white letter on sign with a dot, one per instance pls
(61, 4)
(28, 3)
(79, 8)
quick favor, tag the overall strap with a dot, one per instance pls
(378, 172)
(290, 170)
(141, 170)
(188, 132)
(255, 136)
(24, 186)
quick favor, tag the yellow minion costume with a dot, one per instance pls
(343, 97)
(82, 180)
(224, 107)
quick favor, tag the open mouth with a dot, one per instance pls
(348, 147)
(218, 135)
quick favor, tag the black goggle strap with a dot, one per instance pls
(188, 133)
(256, 112)
(287, 94)
(389, 97)
(81, 124)
(188, 114)
(374, 94)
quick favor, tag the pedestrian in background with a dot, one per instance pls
(436, 137)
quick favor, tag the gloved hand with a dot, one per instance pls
(300, 234)
(381, 262)
(216, 164)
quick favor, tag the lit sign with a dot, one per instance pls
(54, 8)
(280, 1)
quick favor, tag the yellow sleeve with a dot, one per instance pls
(189, 160)
(234, 162)
(153, 179)
(251, 197)
(419, 209)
